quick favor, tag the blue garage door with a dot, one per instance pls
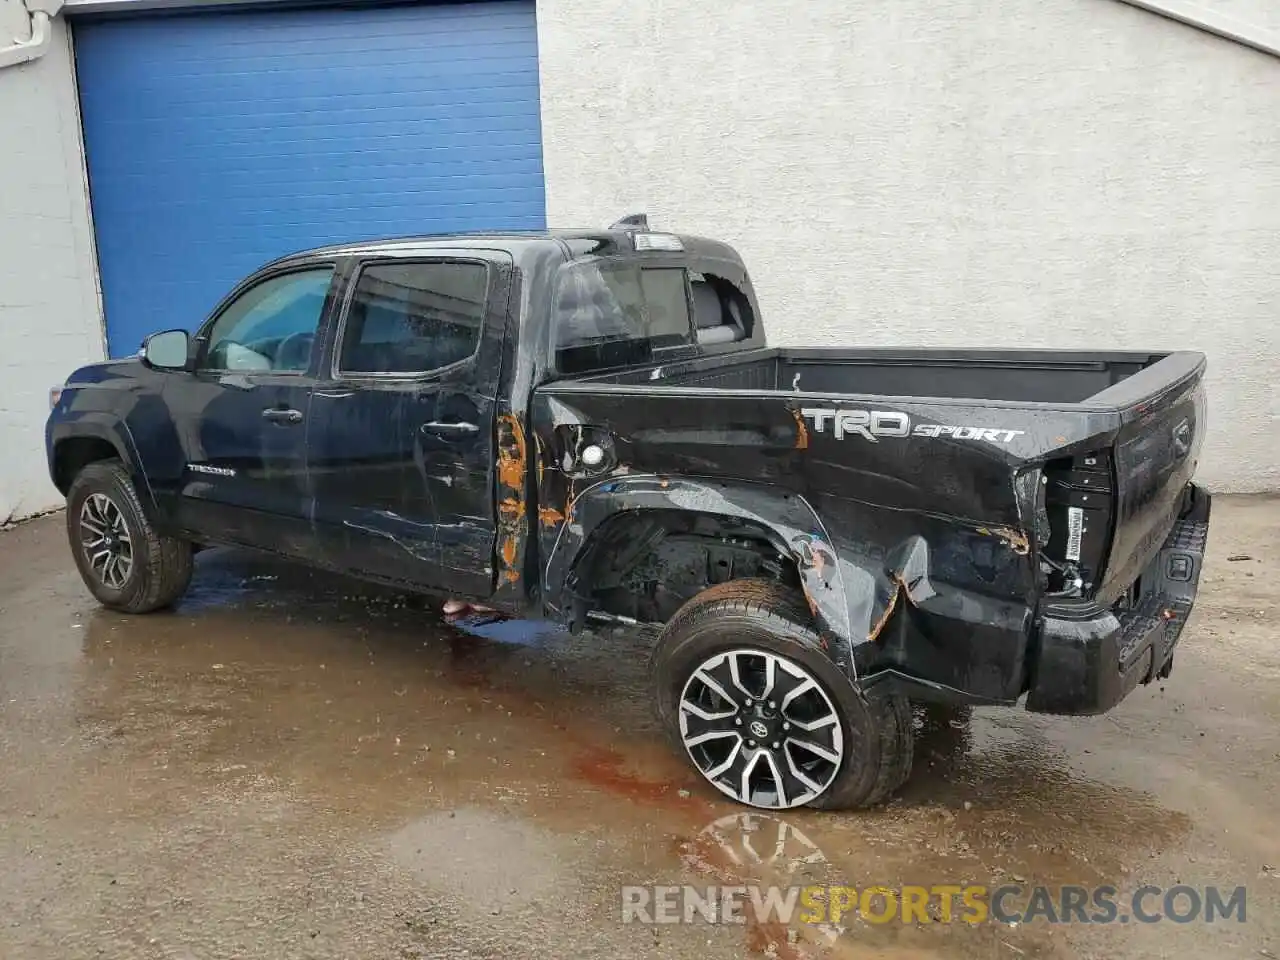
(216, 142)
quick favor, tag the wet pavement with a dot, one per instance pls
(297, 765)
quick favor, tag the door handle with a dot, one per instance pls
(278, 415)
(451, 431)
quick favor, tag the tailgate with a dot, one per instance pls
(1163, 421)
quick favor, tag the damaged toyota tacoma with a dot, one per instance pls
(588, 426)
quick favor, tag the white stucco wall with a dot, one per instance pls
(1065, 173)
(49, 315)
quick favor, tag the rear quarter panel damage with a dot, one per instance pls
(911, 554)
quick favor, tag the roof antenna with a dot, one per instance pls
(634, 221)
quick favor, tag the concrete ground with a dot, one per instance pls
(295, 765)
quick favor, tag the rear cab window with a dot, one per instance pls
(619, 312)
(634, 310)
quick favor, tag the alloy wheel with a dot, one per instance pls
(105, 541)
(761, 728)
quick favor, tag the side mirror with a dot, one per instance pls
(167, 350)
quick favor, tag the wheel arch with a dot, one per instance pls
(602, 519)
(92, 439)
(73, 454)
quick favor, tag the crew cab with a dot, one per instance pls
(590, 426)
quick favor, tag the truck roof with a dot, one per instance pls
(572, 243)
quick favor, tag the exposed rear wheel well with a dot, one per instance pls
(645, 565)
(72, 455)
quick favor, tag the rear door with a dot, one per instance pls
(401, 429)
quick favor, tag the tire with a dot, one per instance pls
(158, 568)
(748, 624)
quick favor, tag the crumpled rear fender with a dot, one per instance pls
(795, 529)
(938, 600)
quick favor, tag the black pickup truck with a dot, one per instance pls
(589, 425)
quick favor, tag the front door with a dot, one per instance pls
(401, 430)
(241, 414)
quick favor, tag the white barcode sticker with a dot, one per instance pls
(1075, 527)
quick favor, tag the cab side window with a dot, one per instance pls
(271, 327)
(409, 319)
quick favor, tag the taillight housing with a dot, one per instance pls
(1079, 501)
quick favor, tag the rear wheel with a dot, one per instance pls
(123, 561)
(745, 689)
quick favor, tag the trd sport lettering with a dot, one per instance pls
(874, 424)
(866, 423)
(992, 434)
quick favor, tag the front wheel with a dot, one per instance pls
(123, 561)
(745, 689)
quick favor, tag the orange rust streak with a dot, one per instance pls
(511, 466)
(510, 471)
(802, 432)
(1015, 540)
(549, 516)
(571, 502)
(888, 610)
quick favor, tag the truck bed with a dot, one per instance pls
(941, 431)
(1026, 376)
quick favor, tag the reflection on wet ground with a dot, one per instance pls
(297, 764)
